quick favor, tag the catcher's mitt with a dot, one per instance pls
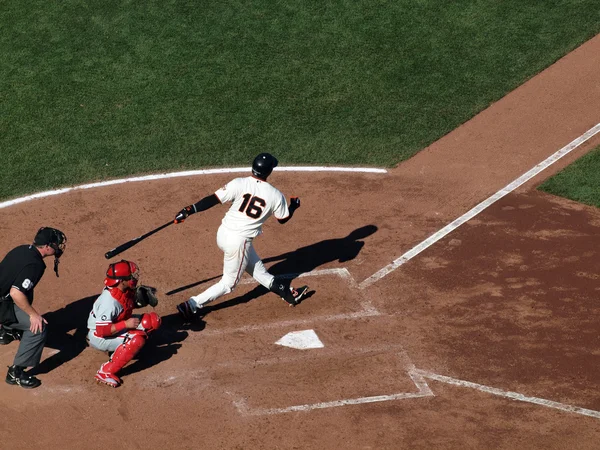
(145, 295)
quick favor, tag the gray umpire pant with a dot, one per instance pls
(31, 345)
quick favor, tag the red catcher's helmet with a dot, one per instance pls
(122, 271)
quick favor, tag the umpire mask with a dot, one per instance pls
(55, 239)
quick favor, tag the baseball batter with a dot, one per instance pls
(253, 202)
(112, 325)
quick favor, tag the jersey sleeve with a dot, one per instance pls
(229, 192)
(280, 209)
(27, 278)
(106, 311)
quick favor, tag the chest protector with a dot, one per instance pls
(125, 299)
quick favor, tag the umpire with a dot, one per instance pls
(20, 271)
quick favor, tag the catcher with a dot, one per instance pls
(113, 327)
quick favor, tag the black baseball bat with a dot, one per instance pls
(127, 245)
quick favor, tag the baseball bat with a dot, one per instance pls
(127, 245)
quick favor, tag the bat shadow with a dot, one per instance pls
(303, 260)
(189, 286)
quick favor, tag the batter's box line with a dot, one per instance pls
(368, 310)
(420, 383)
(418, 377)
(508, 394)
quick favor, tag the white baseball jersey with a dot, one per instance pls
(106, 311)
(254, 201)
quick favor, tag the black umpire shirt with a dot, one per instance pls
(22, 268)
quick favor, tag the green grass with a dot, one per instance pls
(580, 181)
(96, 90)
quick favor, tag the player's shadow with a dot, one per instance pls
(67, 329)
(162, 344)
(304, 260)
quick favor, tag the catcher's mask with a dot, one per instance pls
(122, 271)
(55, 239)
(263, 165)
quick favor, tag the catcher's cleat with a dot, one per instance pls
(187, 311)
(296, 295)
(110, 379)
(17, 376)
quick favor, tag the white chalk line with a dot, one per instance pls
(341, 272)
(423, 390)
(479, 208)
(509, 394)
(243, 408)
(285, 324)
(367, 309)
(187, 173)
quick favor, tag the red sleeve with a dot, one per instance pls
(103, 329)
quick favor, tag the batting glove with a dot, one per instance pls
(295, 203)
(184, 213)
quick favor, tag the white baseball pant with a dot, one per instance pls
(238, 256)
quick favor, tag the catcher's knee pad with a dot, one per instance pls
(125, 352)
(151, 321)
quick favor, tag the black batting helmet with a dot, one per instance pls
(263, 165)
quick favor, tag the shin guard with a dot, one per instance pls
(125, 352)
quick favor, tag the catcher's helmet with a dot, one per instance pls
(263, 165)
(53, 238)
(122, 271)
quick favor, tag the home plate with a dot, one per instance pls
(301, 340)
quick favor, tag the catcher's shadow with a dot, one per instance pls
(162, 344)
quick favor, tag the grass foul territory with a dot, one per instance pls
(91, 91)
(580, 181)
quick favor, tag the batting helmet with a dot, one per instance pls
(122, 271)
(263, 165)
(53, 238)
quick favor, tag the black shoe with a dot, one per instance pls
(16, 375)
(8, 335)
(294, 296)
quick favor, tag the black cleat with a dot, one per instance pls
(295, 296)
(16, 375)
(7, 335)
(187, 312)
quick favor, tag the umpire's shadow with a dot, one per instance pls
(304, 260)
(67, 329)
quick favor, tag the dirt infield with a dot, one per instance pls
(486, 339)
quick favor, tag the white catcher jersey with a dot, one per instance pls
(254, 201)
(105, 310)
